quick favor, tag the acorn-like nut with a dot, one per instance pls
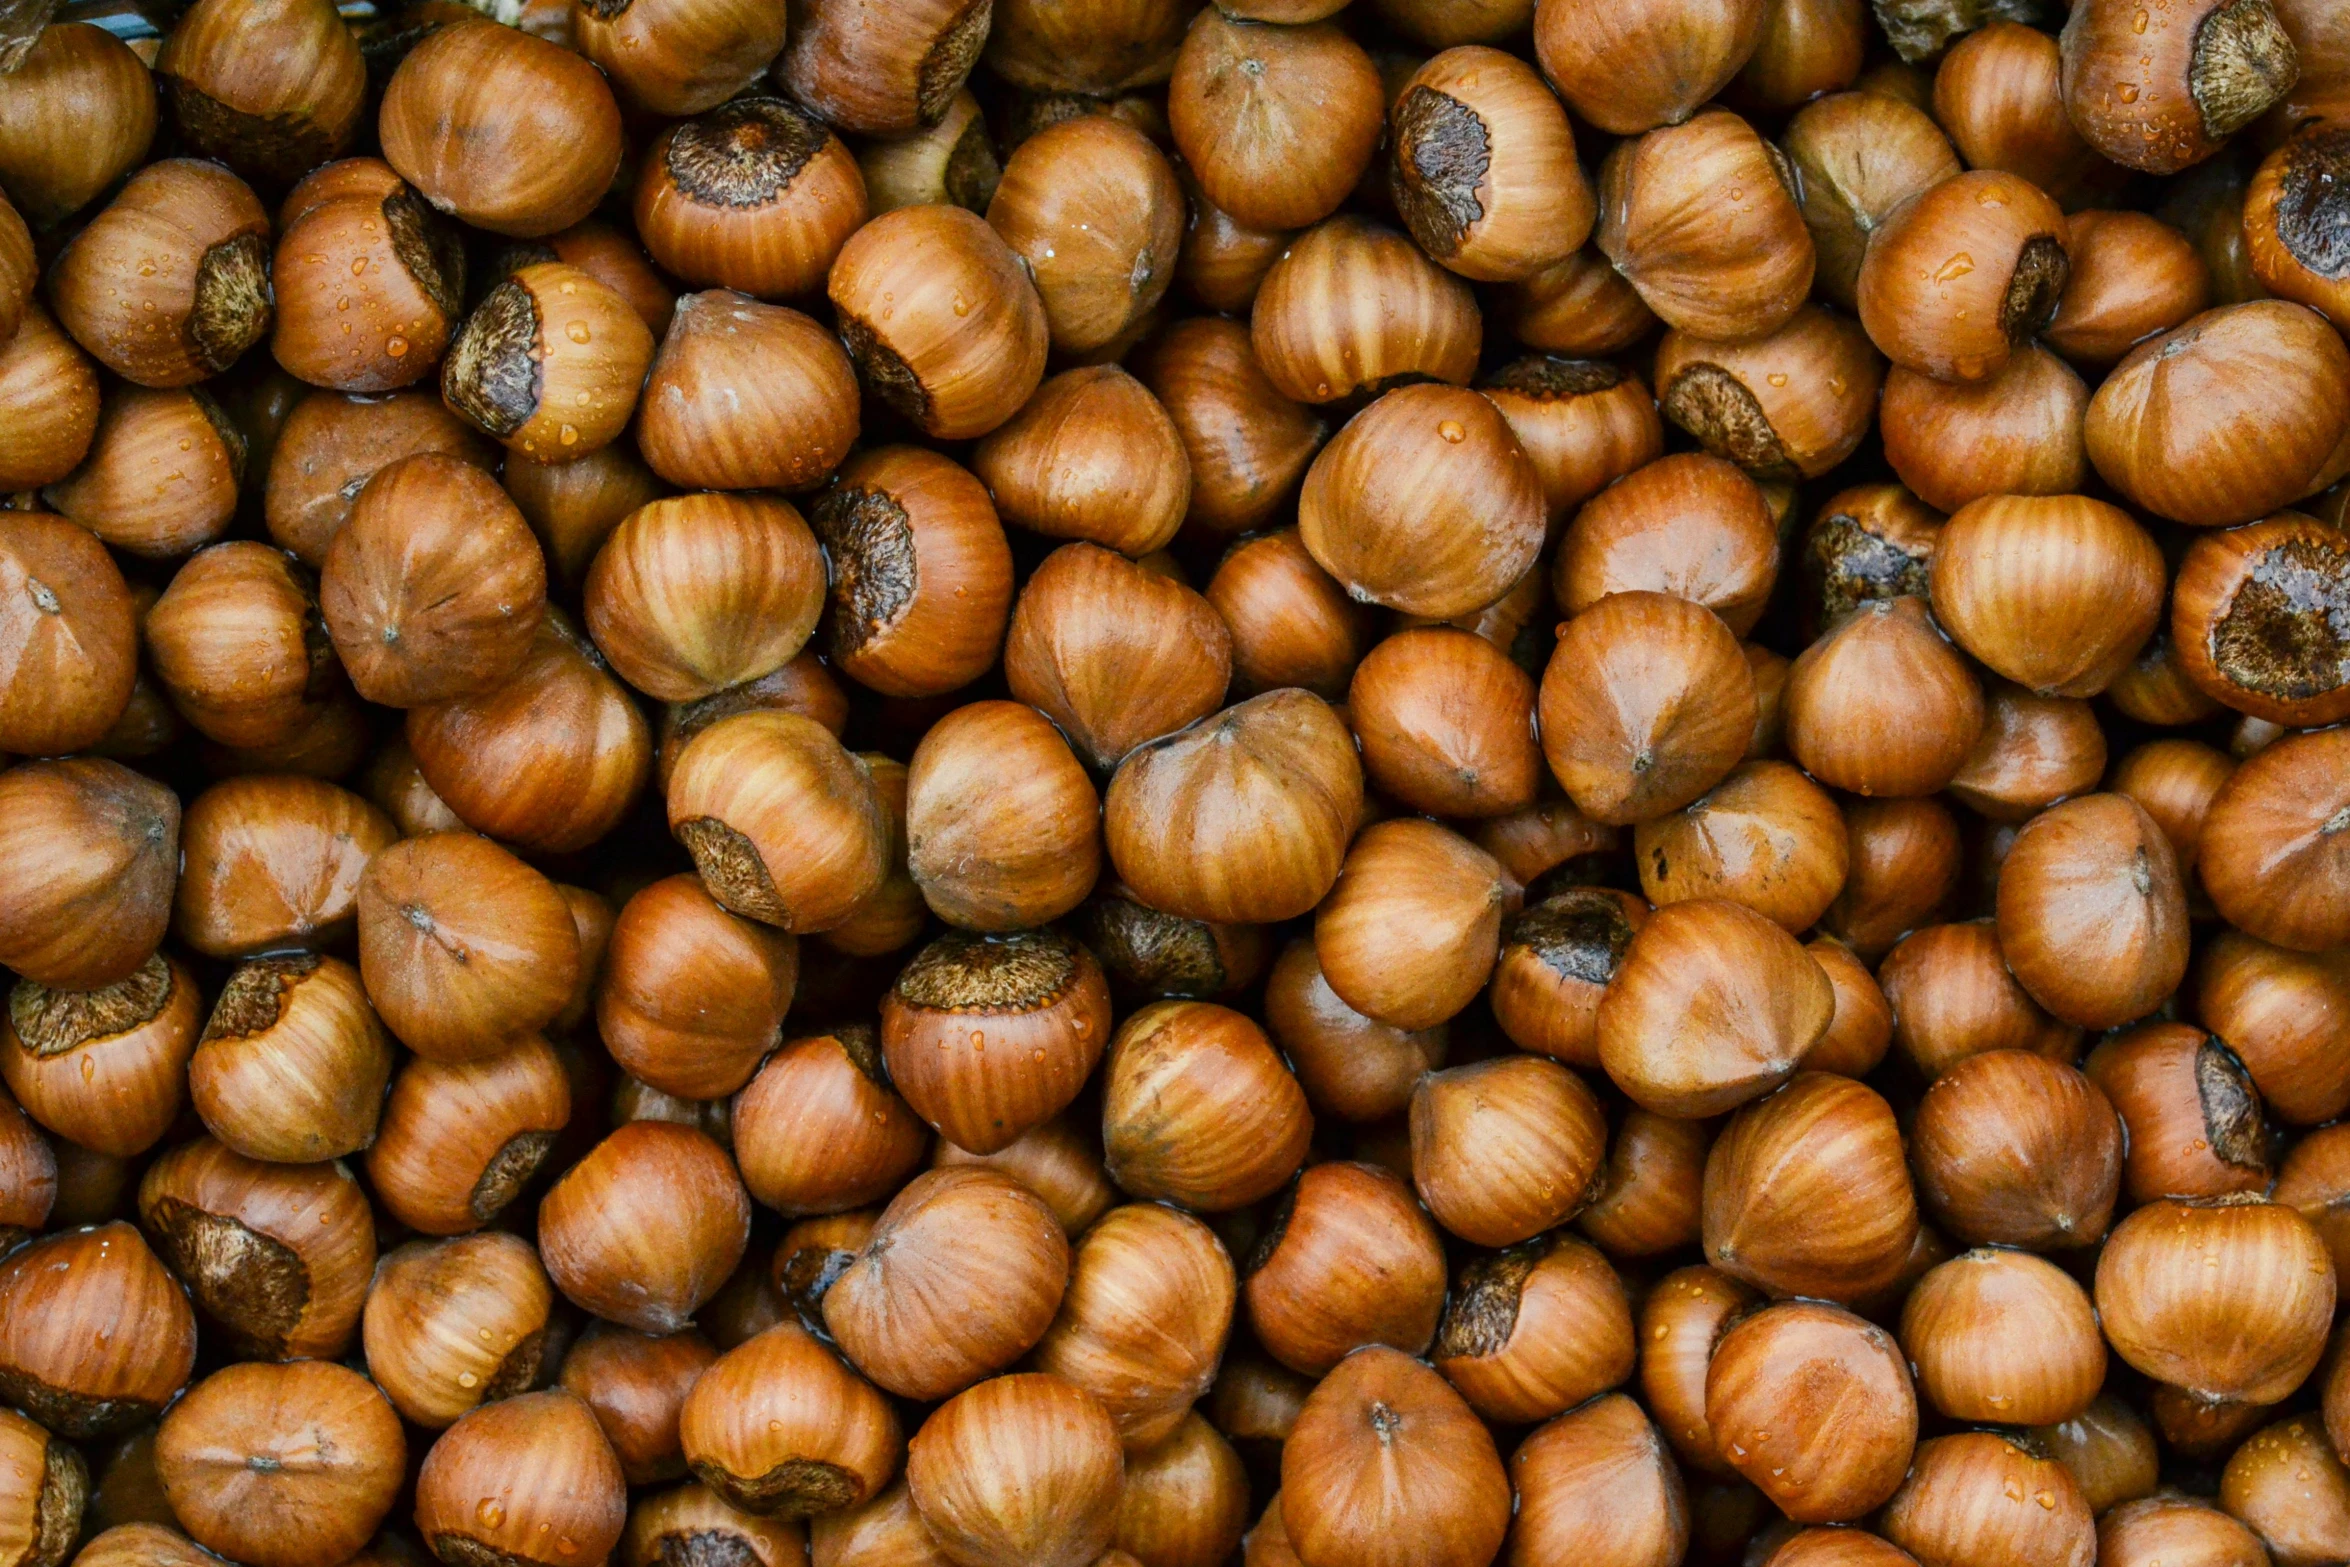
(2013, 1149)
(2005, 575)
(780, 1428)
(435, 587)
(2275, 1009)
(1484, 170)
(2301, 1520)
(1093, 456)
(170, 283)
(460, 1139)
(2245, 1320)
(1999, 93)
(1243, 818)
(1976, 1497)
(1681, 1320)
(1579, 306)
(2092, 915)
(1035, 991)
(272, 90)
(288, 1465)
(783, 824)
(645, 1229)
(884, 1529)
(271, 863)
(359, 220)
(1291, 623)
(1199, 1110)
(104, 1068)
(954, 373)
(1535, 1330)
(161, 475)
(549, 363)
(1629, 68)
(2160, 97)
(1114, 652)
(1711, 1005)
(292, 1064)
(2004, 1336)
(675, 57)
(1354, 308)
(1766, 837)
(89, 855)
(1806, 1192)
(1690, 525)
(2019, 428)
(2176, 781)
(1702, 218)
(2240, 412)
(893, 916)
(921, 572)
(951, 1237)
(674, 1524)
(1350, 1066)
(1385, 1449)
(1277, 123)
(95, 1333)
(802, 686)
(1857, 157)
(1148, 1308)
(238, 645)
(505, 130)
(1409, 932)
(636, 1385)
(2133, 275)
(1881, 704)
(2191, 1112)
(696, 593)
(79, 114)
(457, 1323)
(1222, 263)
(279, 1256)
(1814, 1406)
(2033, 751)
(49, 400)
(2292, 212)
(1505, 1149)
(1953, 997)
(560, 721)
(1647, 702)
(1598, 1484)
(1446, 723)
(2253, 619)
(1584, 424)
(465, 949)
(743, 396)
(2273, 855)
(819, 1129)
(71, 636)
(1645, 1200)
(882, 70)
(1903, 862)
(1425, 503)
(755, 195)
(1962, 274)
(1790, 405)
(1092, 210)
(2153, 1529)
(1020, 1471)
(512, 1481)
(1349, 1258)
(690, 996)
(331, 446)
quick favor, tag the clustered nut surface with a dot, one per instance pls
(1174, 783)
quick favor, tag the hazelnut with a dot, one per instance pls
(542, 1467)
(459, 1140)
(780, 1428)
(1148, 1308)
(170, 283)
(95, 1333)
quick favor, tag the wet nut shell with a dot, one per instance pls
(1766, 837)
(1814, 1406)
(2254, 616)
(292, 1064)
(2271, 1006)
(2249, 1325)
(741, 396)
(83, 114)
(1505, 1149)
(1690, 525)
(780, 1428)
(1962, 274)
(331, 445)
(69, 640)
(2008, 581)
(89, 856)
(1408, 933)
(1584, 423)
(1278, 123)
(783, 824)
(435, 587)
(457, 1323)
(1535, 1330)
(49, 1495)
(2092, 914)
(1094, 456)
(238, 645)
(1790, 405)
(645, 1228)
(2160, 97)
(1354, 308)
(1976, 1497)
(1711, 1005)
(755, 195)
(1243, 818)
(637, 1384)
(502, 129)
(459, 1140)
(1092, 210)
(170, 283)
(819, 1128)
(359, 220)
(2003, 1336)
(278, 1256)
(1349, 1258)
(542, 1467)
(1150, 1300)
(692, 1517)
(49, 391)
(1351, 1067)
(2293, 220)
(1038, 997)
(95, 1333)
(549, 363)
(1199, 1110)
(1628, 68)
(1020, 1471)
(1645, 1200)
(2192, 1112)
(1598, 1483)
(2012, 1149)
(141, 490)
(951, 1235)
(2132, 276)
(955, 372)
(2016, 432)
(1806, 1192)
(883, 70)
(104, 1068)
(2154, 1528)
(677, 57)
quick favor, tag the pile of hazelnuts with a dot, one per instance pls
(1129, 783)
